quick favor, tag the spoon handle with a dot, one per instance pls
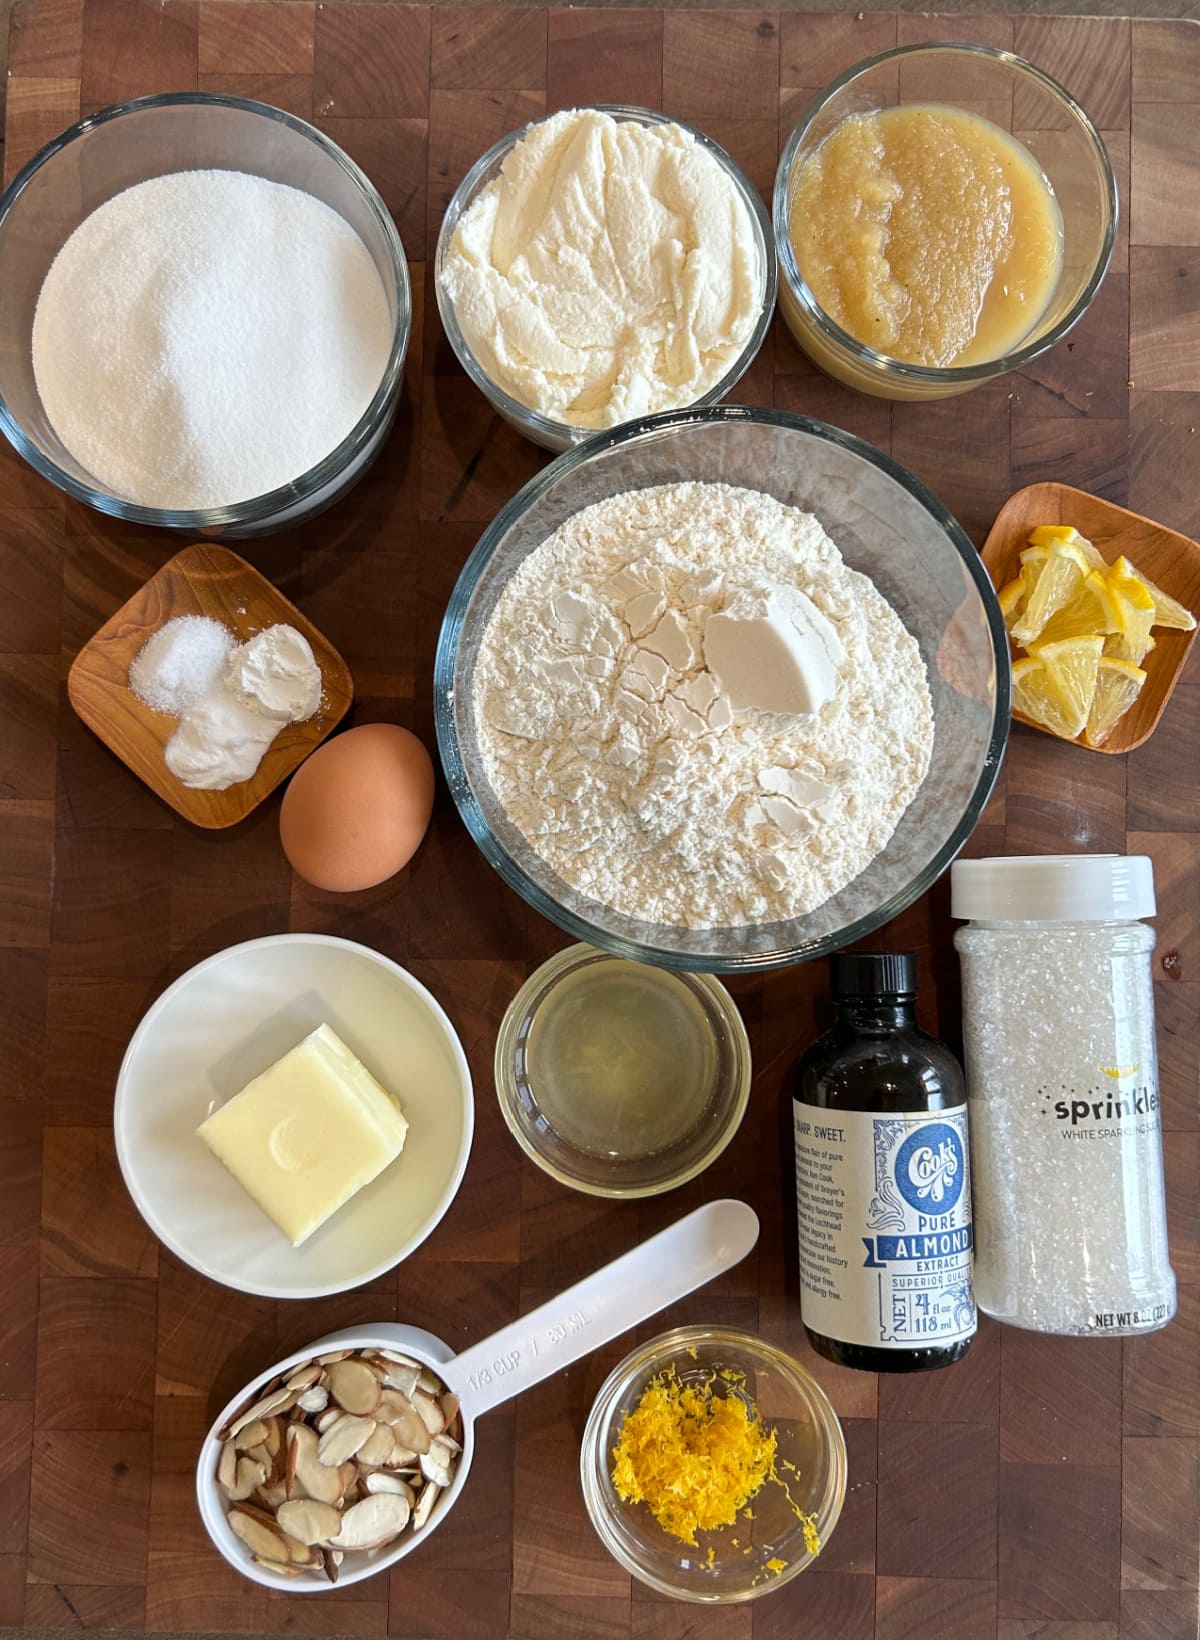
(604, 1305)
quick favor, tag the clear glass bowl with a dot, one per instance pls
(1011, 93)
(545, 430)
(809, 1438)
(127, 144)
(616, 1176)
(888, 526)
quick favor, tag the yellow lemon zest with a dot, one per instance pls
(696, 1458)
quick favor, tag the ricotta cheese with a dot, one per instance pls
(608, 272)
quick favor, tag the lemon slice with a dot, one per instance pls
(1095, 608)
(1168, 611)
(1125, 579)
(1073, 665)
(1059, 580)
(1046, 535)
(1011, 598)
(1133, 642)
(1118, 685)
(1035, 696)
(1101, 588)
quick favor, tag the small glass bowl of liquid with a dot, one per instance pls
(944, 214)
(620, 1079)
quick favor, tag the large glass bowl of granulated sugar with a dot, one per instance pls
(204, 314)
(661, 794)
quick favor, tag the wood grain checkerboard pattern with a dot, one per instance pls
(1046, 1489)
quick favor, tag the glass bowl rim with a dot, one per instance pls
(564, 432)
(261, 508)
(646, 1358)
(543, 978)
(940, 375)
(470, 809)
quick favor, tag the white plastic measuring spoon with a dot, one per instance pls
(591, 1313)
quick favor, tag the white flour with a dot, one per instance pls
(612, 748)
(208, 336)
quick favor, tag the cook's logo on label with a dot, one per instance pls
(929, 1168)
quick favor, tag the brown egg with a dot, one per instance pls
(357, 809)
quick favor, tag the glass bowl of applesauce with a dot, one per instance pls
(943, 213)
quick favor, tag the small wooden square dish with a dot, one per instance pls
(1171, 560)
(201, 580)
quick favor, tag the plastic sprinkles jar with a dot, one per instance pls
(1062, 1083)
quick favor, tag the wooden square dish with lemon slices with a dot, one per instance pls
(1099, 604)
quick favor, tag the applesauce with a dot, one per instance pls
(927, 233)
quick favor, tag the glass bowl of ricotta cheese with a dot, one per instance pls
(723, 690)
(600, 264)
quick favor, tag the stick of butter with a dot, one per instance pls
(308, 1133)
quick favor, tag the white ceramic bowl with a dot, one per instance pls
(214, 1510)
(220, 1025)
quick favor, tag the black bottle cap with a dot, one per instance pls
(874, 974)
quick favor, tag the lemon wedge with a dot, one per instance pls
(1094, 608)
(1118, 685)
(1126, 579)
(1132, 643)
(1168, 611)
(1143, 594)
(1035, 696)
(1045, 535)
(1086, 627)
(1073, 666)
(1059, 579)
(1011, 598)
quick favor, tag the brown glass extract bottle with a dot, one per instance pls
(883, 1186)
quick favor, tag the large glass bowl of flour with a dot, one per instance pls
(887, 526)
(159, 138)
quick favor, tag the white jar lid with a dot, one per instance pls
(1053, 888)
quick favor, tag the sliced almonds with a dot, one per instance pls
(227, 1465)
(343, 1453)
(278, 1400)
(249, 1477)
(343, 1438)
(373, 1522)
(259, 1533)
(425, 1505)
(308, 1521)
(354, 1387)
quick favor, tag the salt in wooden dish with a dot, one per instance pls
(203, 579)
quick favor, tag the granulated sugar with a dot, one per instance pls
(208, 336)
(610, 743)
